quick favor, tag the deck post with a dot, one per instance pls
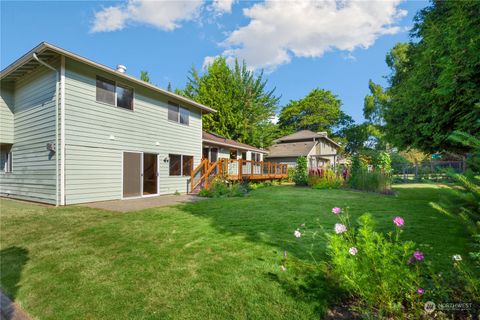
(240, 169)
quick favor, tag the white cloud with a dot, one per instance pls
(279, 30)
(223, 6)
(163, 14)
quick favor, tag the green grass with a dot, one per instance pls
(213, 259)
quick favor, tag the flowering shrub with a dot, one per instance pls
(380, 272)
(387, 278)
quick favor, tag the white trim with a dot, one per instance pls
(62, 131)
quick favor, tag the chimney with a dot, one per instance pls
(121, 68)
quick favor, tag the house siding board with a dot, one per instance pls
(94, 161)
(32, 99)
(6, 114)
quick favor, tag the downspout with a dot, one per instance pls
(57, 78)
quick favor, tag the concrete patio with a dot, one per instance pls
(142, 203)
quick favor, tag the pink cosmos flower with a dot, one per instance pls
(418, 255)
(420, 291)
(336, 210)
(340, 228)
(399, 222)
(353, 251)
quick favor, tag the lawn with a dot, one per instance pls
(215, 259)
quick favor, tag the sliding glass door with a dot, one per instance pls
(150, 174)
(140, 174)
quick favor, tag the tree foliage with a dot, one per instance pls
(144, 76)
(317, 111)
(244, 104)
(435, 81)
(375, 104)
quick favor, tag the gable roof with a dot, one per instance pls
(305, 135)
(222, 141)
(291, 149)
(46, 52)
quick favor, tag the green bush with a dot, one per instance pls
(380, 272)
(258, 185)
(291, 174)
(221, 188)
(379, 180)
(327, 179)
(301, 175)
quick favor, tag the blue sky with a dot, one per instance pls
(335, 46)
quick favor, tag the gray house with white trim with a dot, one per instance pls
(74, 131)
(317, 147)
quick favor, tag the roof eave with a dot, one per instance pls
(224, 144)
(44, 46)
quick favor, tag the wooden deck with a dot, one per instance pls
(236, 170)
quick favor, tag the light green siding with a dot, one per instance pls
(97, 134)
(6, 114)
(33, 101)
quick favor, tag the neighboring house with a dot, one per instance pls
(319, 149)
(217, 147)
(75, 131)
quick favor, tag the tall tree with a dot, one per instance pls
(144, 76)
(375, 104)
(244, 104)
(435, 81)
(317, 111)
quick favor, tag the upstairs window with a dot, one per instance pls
(108, 91)
(173, 111)
(105, 90)
(124, 97)
(178, 114)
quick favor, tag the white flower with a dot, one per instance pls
(283, 268)
(340, 228)
(353, 251)
(297, 233)
(457, 257)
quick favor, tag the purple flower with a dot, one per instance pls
(399, 222)
(336, 210)
(418, 255)
(340, 228)
(353, 251)
(420, 291)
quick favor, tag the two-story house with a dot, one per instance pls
(74, 131)
(317, 147)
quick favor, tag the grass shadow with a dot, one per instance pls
(12, 261)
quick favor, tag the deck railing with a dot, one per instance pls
(232, 169)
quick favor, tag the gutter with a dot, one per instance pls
(57, 84)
